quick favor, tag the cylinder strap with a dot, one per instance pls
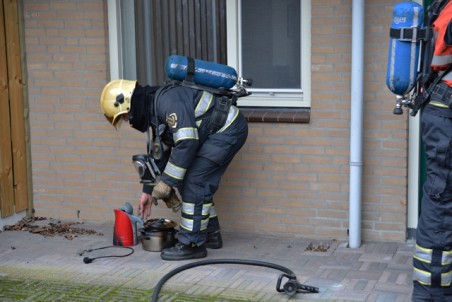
(190, 69)
(220, 113)
(412, 34)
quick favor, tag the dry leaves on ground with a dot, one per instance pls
(51, 229)
(322, 247)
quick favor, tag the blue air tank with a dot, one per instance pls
(206, 73)
(403, 56)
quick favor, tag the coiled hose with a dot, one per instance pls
(290, 288)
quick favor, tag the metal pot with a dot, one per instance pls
(157, 234)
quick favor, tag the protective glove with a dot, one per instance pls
(161, 190)
(173, 201)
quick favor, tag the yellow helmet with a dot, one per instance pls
(115, 100)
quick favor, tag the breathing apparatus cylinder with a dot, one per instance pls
(204, 73)
(404, 47)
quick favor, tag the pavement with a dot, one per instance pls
(34, 267)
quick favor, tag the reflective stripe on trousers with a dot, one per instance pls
(190, 211)
(432, 267)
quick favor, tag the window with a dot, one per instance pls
(269, 41)
(265, 40)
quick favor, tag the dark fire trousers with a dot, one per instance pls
(202, 179)
(432, 261)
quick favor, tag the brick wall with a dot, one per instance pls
(288, 180)
(81, 166)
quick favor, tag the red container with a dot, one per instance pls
(123, 234)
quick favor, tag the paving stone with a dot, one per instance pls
(373, 272)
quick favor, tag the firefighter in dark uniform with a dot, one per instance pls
(194, 143)
(432, 261)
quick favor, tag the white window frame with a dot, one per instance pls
(114, 38)
(272, 97)
(116, 41)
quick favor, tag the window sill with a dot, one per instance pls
(276, 115)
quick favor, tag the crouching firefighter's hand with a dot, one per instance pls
(161, 190)
(144, 208)
(173, 201)
(167, 194)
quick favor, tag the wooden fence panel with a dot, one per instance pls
(13, 126)
(6, 162)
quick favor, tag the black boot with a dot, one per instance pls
(214, 240)
(183, 252)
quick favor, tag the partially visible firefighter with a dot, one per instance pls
(195, 135)
(432, 263)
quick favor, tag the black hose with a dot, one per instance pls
(88, 260)
(177, 270)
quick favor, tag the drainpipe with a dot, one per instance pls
(356, 125)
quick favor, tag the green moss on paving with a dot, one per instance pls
(38, 290)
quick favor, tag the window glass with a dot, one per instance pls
(271, 43)
(143, 33)
(194, 28)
